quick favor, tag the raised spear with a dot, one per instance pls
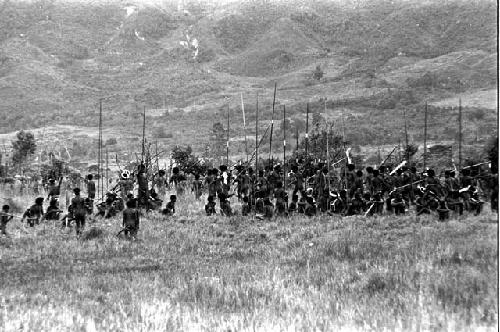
(272, 126)
(307, 129)
(244, 126)
(284, 147)
(425, 136)
(256, 131)
(227, 139)
(459, 134)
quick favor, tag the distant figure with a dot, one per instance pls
(54, 189)
(398, 204)
(161, 184)
(268, 208)
(142, 181)
(169, 209)
(292, 208)
(4, 219)
(443, 211)
(225, 205)
(310, 209)
(131, 220)
(126, 184)
(79, 210)
(34, 214)
(90, 187)
(281, 199)
(178, 180)
(154, 202)
(246, 208)
(53, 211)
(197, 186)
(210, 206)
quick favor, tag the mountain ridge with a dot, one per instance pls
(58, 60)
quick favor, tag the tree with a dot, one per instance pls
(186, 161)
(318, 143)
(111, 141)
(23, 147)
(161, 133)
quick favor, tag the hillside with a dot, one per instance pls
(58, 59)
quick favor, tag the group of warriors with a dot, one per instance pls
(308, 189)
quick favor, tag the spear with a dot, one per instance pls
(406, 138)
(272, 126)
(388, 156)
(307, 128)
(107, 166)
(244, 126)
(425, 135)
(260, 142)
(284, 147)
(143, 133)
(99, 149)
(256, 131)
(227, 139)
(459, 134)
(100, 182)
(157, 157)
(343, 141)
(297, 140)
(475, 165)
(407, 149)
(327, 151)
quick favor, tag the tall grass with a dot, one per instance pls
(192, 272)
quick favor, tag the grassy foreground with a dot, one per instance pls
(198, 273)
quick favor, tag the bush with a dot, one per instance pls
(161, 133)
(111, 141)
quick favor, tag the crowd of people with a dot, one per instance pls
(308, 189)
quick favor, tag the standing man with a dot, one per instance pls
(79, 210)
(90, 187)
(142, 182)
(161, 184)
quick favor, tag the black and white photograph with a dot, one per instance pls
(249, 165)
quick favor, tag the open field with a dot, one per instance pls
(192, 272)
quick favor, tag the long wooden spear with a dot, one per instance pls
(227, 138)
(157, 157)
(244, 126)
(143, 133)
(329, 129)
(256, 131)
(284, 147)
(107, 166)
(459, 135)
(343, 142)
(425, 136)
(307, 129)
(99, 149)
(297, 140)
(272, 126)
(406, 139)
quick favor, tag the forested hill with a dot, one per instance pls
(57, 58)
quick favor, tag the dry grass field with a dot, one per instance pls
(196, 273)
